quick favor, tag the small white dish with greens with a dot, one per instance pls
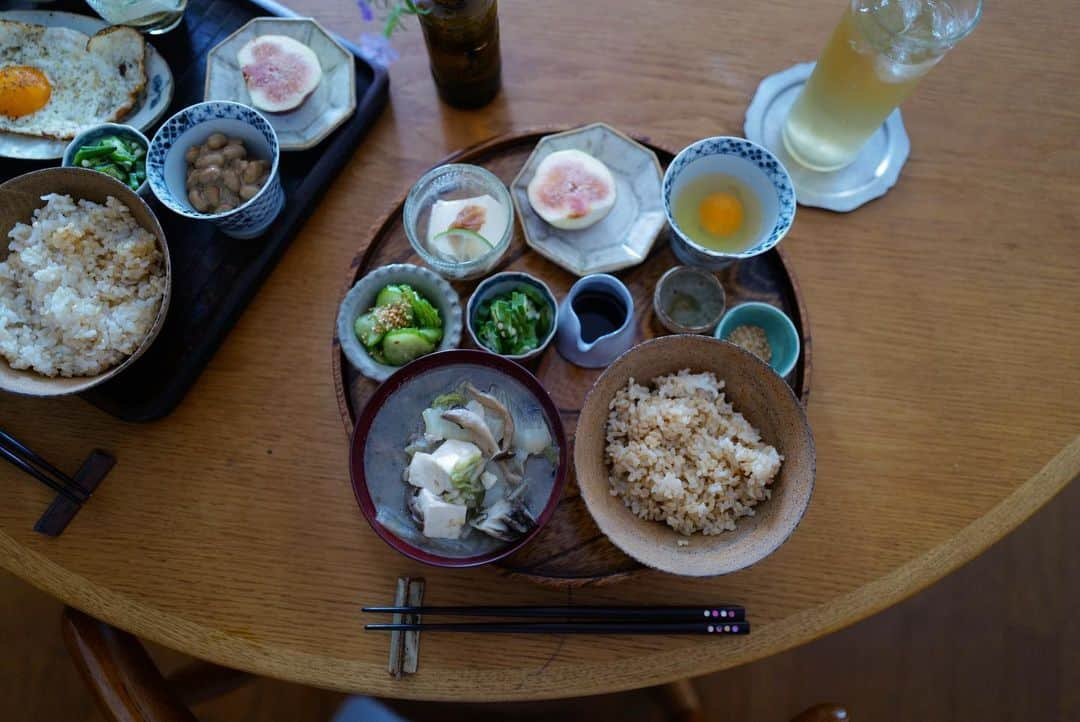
(397, 314)
(513, 315)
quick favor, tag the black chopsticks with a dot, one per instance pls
(727, 612)
(22, 457)
(720, 619)
(568, 627)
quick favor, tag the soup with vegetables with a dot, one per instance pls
(460, 461)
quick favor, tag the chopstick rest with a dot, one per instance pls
(62, 510)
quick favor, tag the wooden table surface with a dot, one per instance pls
(946, 390)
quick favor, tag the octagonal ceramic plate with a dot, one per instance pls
(624, 237)
(328, 106)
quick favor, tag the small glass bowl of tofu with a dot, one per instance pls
(459, 219)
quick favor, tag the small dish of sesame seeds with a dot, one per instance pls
(763, 330)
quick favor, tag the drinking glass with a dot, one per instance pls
(149, 16)
(874, 59)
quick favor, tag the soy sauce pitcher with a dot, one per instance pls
(595, 321)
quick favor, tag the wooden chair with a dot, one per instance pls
(129, 687)
(127, 684)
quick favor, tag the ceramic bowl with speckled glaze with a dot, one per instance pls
(761, 397)
(361, 297)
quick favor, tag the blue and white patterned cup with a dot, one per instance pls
(166, 166)
(750, 163)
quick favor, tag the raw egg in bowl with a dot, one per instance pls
(726, 198)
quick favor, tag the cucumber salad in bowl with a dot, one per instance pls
(400, 327)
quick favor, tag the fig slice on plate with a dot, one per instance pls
(280, 72)
(572, 190)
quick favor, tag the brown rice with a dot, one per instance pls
(679, 453)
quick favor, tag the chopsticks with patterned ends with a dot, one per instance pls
(628, 627)
(720, 619)
(721, 613)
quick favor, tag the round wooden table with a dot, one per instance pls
(946, 390)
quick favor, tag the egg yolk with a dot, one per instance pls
(721, 214)
(23, 90)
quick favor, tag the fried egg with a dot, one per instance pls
(54, 81)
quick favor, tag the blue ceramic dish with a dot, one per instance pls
(748, 162)
(166, 167)
(781, 332)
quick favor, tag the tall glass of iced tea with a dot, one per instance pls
(874, 58)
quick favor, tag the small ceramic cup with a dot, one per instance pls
(361, 297)
(779, 329)
(92, 135)
(452, 182)
(688, 300)
(501, 284)
(166, 166)
(753, 165)
(575, 340)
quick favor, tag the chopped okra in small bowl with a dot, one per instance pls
(397, 314)
(512, 314)
(116, 150)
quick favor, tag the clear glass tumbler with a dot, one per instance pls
(149, 16)
(874, 59)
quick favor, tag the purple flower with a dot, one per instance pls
(376, 49)
(365, 10)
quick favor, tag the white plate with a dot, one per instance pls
(328, 106)
(151, 104)
(874, 171)
(624, 237)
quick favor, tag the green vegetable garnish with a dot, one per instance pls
(390, 295)
(426, 314)
(434, 335)
(402, 345)
(514, 323)
(124, 160)
(465, 478)
(450, 400)
(368, 330)
(401, 326)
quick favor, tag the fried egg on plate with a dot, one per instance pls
(55, 81)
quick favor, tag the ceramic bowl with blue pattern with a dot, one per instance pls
(750, 163)
(166, 166)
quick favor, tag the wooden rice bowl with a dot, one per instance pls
(762, 397)
(19, 197)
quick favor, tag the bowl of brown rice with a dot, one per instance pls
(693, 457)
(85, 280)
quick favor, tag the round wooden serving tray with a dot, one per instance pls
(570, 550)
